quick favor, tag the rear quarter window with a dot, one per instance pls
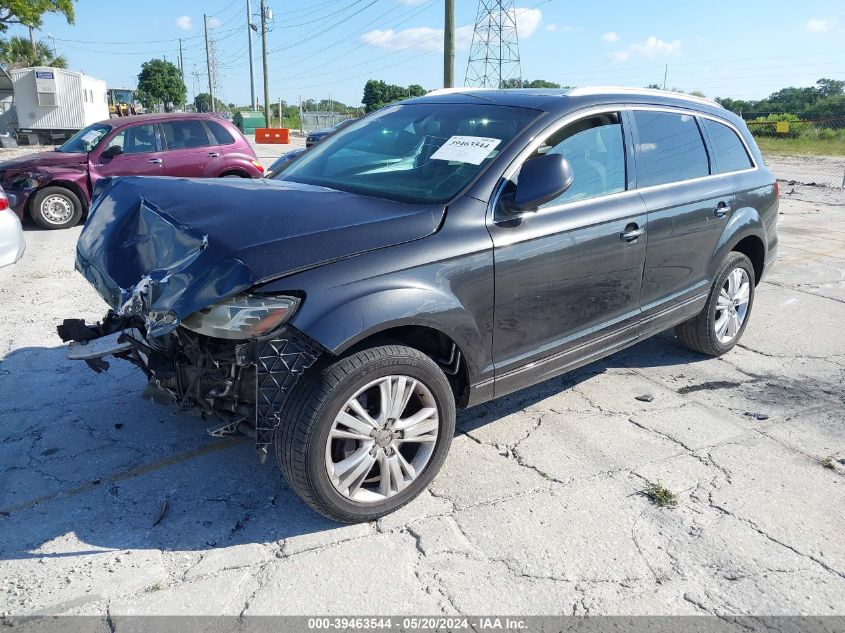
(670, 148)
(220, 134)
(729, 151)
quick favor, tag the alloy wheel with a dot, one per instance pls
(732, 305)
(382, 439)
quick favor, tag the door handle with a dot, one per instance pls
(632, 233)
(213, 154)
(154, 161)
(722, 209)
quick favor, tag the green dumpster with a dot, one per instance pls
(248, 121)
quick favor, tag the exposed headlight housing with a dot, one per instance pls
(242, 317)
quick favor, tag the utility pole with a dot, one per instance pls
(249, 27)
(665, 73)
(181, 61)
(281, 116)
(449, 46)
(208, 63)
(264, 11)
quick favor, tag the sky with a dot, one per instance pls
(321, 49)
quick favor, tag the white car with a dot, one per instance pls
(12, 243)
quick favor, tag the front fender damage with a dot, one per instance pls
(245, 385)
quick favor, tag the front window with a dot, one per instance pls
(136, 139)
(86, 139)
(418, 153)
(595, 149)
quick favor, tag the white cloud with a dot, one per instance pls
(610, 37)
(551, 28)
(621, 56)
(431, 39)
(817, 25)
(654, 47)
(213, 23)
(527, 21)
(423, 37)
(184, 22)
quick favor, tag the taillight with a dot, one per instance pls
(4, 201)
(258, 165)
(777, 189)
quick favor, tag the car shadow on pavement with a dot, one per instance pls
(88, 466)
(658, 351)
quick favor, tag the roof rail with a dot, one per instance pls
(447, 91)
(597, 90)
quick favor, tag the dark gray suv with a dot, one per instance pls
(434, 255)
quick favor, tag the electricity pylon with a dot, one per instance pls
(494, 55)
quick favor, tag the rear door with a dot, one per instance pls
(687, 209)
(567, 277)
(142, 155)
(190, 151)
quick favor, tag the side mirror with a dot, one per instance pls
(541, 179)
(114, 150)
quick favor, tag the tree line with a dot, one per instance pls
(823, 100)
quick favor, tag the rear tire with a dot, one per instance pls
(333, 453)
(719, 326)
(55, 208)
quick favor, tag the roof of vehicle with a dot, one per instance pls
(160, 116)
(559, 101)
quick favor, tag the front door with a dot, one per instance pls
(142, 155)
(568, 275)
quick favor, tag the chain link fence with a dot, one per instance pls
(809, 152)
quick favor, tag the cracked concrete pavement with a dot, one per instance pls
(538, 509)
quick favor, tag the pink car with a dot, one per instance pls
(55, 187)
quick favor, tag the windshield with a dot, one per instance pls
(86, 139)
(419, 153)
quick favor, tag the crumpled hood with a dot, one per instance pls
(162, 248)
(44, 159)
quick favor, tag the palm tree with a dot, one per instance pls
(16, 52)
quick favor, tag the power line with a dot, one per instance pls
(323, 63)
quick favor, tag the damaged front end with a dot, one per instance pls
(181, 263)
(245, 384)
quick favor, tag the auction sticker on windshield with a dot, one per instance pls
(93, 135)
(466, 149)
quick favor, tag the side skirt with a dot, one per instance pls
(595, 348)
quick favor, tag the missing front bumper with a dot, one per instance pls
(245, 383)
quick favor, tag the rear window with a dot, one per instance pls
(729, 152)
(669, 149)
(221, 134)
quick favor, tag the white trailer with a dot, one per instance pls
(53, 104)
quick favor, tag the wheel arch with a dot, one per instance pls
(425, 319)
(78, 191)
(432, 342)
(744, 233)
(237, 171)
(754, 249)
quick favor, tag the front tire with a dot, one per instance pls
(719, 326)
(365, 435)
(56, 208)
